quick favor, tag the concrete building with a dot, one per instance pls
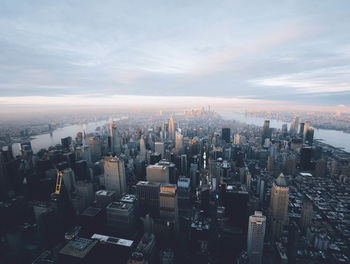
(256, 235)
(279, 205)
(157, 173)
(114, 174)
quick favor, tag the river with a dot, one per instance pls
(331, 137)
(46, 140)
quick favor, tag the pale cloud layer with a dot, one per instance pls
(76, 51)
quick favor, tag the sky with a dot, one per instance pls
(118, 52)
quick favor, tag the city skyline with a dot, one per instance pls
(63, 54)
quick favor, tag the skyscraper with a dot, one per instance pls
(266, 131)
(256, 234)
(95, 146)
(157, 173)
(279, 204)
(160, 148)
(294, 125)
(114, 173)
(179, 142)
(142, 148)
(171, 128)
(306, 128)
(306, 215)
(226, 134)
(115, 139)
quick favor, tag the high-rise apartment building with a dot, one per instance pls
(114, 174)
(256, 235)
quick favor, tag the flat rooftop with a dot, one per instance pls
(78, 247)
(113, 240)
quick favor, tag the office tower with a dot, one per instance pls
(284, 129)
(293, 237)
(155, 158)
(256, 234)
(142, 148)
(140, 169)
(81, 170)
(148, 196)
(193, 175)
(306, 215)
(306, 128)
(86, 190)
(279, 204)
(66, 143)
(172, 171)
(305, 158)
(160, 148)
(184, 195)
(265, 132)
(171, 128)
(262, 191)
(320, 168)
(92, 220)
(179, 142)
(115, 138)
(95, 146)
(114, 174)
(168, 205)
(309, 136)
(120, 217)
(301, 129)
(184, 164)
(248, 180)
(225, 169)
(226, 134)
(157, 173)
(294, 125)
(103, 198)
(235, 199)
(236, 139)
(68, 178)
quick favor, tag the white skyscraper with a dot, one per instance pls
(114, 174)
(115, 138)
(256, 234)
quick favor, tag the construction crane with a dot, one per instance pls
(58, 183)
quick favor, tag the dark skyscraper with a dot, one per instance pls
(265, 132)
(226, 134)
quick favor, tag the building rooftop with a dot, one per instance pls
(113, 240)
(79, 247)
(91, 211)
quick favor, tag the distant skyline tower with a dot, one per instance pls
(114, 174)
(306, 128)
(279, 205)
(171, 128)
(256, 235)
(294, 125)
(266, 131)
(115, 138)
